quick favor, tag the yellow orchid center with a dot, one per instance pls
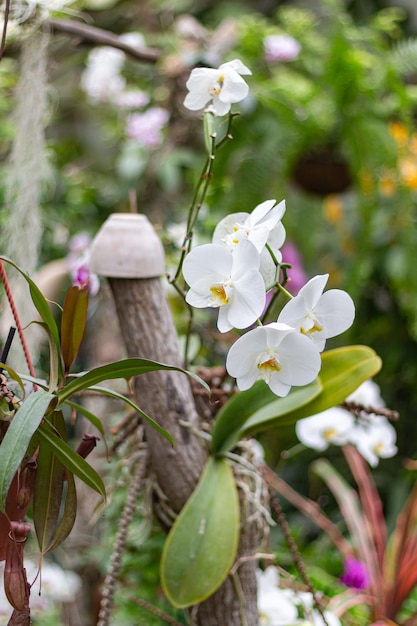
(219, 297)
(267, 367)
(310, 325)
(329, 433)
(215, 89)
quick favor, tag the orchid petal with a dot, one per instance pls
(237, 66)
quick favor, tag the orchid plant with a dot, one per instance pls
(240, 274)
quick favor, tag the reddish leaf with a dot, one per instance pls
(74, 317)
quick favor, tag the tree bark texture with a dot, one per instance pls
(149, 332)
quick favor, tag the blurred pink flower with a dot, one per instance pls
(355, 574)
(296, 274)
(281, 48)
(145, 128)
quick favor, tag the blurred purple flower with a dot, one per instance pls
(296, 274)
(355, 574)
(281, 48)
(145, 128)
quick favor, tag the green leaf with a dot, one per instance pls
(258, 401)
(67, 521)
(73, 321)
(119, 369)
(55, 363)
(342, 371)
(41, 305)
(18, 435)
(235, 412)
(49, 487)
(145, 416)
(95, 421)
(201, 546)
(72, 461)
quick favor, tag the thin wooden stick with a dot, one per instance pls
(16, 318)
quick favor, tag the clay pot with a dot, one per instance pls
(127, 246)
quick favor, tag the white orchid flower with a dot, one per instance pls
(319, 315)
(227, 279)
(374, 439)
(262, 226)
(332, 426)
(275, 605)
(222, 87)
(275, 353)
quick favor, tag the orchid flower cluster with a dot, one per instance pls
(235, 272)
(373, 435)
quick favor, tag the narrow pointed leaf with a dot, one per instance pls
(73, 321)
(201, 546)
(93, 419)
(40, 303)
(349, 505)
(49, 487)
(119, 369)
(72, 461)
(18, 436)
(67, 521)
(126, 400)
(55, 362)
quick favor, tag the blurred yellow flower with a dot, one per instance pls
(387, 183)
(408, 172)
(400, 133)
(333, 208)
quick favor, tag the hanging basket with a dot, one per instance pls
(322, 172)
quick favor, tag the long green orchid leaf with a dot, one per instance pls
(119, 369)
(17, 438)
(119, 396)
(72, 461)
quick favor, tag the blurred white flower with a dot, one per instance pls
(332, 426)
(375, 438)
(368, 394)
(101, 79)
(276, 354)
(146, 128)
(228, 280)
(274, 604)
(133, 99)
(222, 87)
(281, 48)
(133, 39)
(52, 587)
(319, 315)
